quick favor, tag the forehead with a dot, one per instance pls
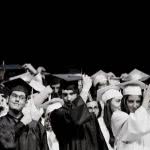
(67, 91)
(134, 97)
(92, 104)
(18, 92)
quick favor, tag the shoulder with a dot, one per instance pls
(118, 115)
(3, 119)
(117, 120)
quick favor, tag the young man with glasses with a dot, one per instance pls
(21, 129)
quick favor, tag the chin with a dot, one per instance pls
(16, 108)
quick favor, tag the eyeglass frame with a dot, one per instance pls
(21, 97)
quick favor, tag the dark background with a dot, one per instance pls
(111, 42)
(88, 59)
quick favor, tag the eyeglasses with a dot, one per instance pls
(21, 97)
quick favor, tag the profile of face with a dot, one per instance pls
(133, 103)
(93, 107)
(69, 95)
(115, 104)
(17, 100)
(56, 87)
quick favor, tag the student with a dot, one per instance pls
(131, 125)
(111, 97)
(20, 129)
(75, 127)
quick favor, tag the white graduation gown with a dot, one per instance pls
(132, 132)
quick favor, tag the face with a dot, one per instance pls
(115, 104)
(17, 100)
(69, 95)
(93, 107)
(56, 88)
(3, 103)
(133, 103)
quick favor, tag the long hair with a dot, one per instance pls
(100, 109)
(107, 119)
(124, 106)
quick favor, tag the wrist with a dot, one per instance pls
(85, 90)
(25, 120)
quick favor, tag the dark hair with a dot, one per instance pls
(100, 109)
(107, 119)
(55, 81)
(124, 106)
(72, 87)
(20, 88)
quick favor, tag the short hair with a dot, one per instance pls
(55, 81)
(20, 88)
(72, 87)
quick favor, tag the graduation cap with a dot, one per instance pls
(69, 80)
(28, 78)
(133, 87)
(9, 84)
(101, 91)
(11, 66)
(98, 73)
(7, 71)
(69, 77)
(137, 75)
(99, 77)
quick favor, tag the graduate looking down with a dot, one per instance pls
(75, 127)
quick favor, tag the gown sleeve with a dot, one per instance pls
(131, 127)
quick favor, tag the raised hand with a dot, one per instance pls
(30, 68)
(87, 83)
(146, 97)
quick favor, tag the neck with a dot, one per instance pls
(15, 113)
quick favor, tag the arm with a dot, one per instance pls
(78, 113)
(131, 127)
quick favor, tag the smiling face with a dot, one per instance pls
(133, 103)
(17, 100)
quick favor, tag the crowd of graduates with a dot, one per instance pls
(74, 111)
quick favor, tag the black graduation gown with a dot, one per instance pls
(31, 137)
(7, 132)
(14, 135)
(76, 128)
